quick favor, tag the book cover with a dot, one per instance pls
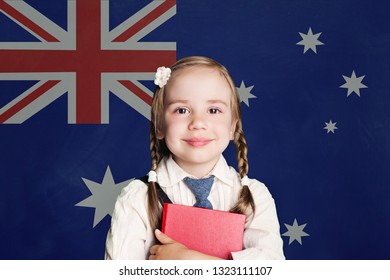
(213, 232)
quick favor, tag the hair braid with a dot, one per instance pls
(245, 198)
(153, 202)
(242, 150)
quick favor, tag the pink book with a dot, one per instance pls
(213, 232)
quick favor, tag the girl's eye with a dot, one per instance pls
(182, 111)
(214, 111)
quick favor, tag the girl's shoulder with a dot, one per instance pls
(256, 183)
(136, 189)
(255, 186)
(258, 188)
(131, 201)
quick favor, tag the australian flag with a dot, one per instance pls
(76, 83)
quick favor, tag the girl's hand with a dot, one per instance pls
(169, 249)
(173, 250)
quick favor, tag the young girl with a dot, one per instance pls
(195, 114)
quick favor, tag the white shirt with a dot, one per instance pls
(131, 236)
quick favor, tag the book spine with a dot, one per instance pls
(164, 215)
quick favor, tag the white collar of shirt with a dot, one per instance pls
(169, 173)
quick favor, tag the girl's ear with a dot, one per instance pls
(159, 134)
(233, 130)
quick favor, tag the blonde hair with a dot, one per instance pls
(158, 149)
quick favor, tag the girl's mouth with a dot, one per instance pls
(198, 142)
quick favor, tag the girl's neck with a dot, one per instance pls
(199, 170)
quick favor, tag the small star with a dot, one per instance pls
(103, 196)
(330, 126)
(295, 232)
(353, 84)
(245, 93)
(310, 41)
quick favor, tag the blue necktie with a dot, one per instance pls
(201, 189)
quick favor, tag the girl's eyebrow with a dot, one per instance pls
(217, 101)
(177, 101)
(184, 101)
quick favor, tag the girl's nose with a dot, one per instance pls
(197, 122)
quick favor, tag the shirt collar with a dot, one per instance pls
(169, 173)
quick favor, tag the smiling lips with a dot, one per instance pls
(197, 142)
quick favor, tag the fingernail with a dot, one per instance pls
(158, 231)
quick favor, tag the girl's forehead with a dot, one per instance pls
(195, 77)
(194, 70)
(198, 83)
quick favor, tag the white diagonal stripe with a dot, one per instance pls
(39, 19)
(132, 20)
(131, 99)
(154, 24)
(39, 103)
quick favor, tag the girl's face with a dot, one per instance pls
(198, 123)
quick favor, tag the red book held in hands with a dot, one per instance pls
(212, 232)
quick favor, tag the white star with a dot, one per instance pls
(353, 84)
(330, 127)
(310, 41)
(245, 93)
(103, 196)
(295, 232)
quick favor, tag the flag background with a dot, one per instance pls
(335, 183)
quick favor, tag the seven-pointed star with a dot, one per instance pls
(103, 196)
(295, 232)
(353, 83)
(330, 126)
(310, 41)
(245, 93)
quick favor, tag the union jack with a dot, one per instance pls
(87, 61)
